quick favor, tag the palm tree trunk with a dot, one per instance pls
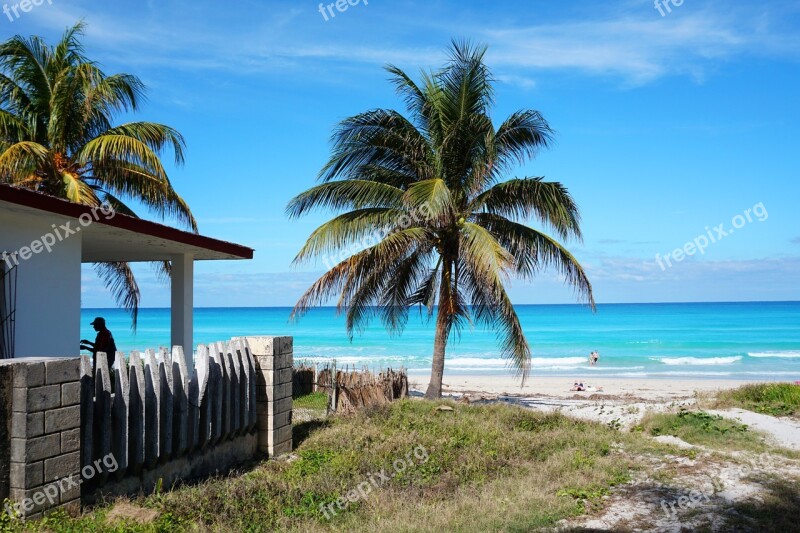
(434, 391)
(443, 318)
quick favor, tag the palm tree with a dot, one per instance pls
(57, 137)
(448, 236)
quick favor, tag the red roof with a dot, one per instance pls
(214, 249)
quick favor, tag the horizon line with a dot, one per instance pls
(521, 304)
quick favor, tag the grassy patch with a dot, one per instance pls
(701, 428)
(317, 401)
(491, 467)
(776, 399)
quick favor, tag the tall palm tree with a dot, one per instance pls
(450, 234)
(57, 136)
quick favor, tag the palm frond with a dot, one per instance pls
(534, 251)
(119, 279)
(345, 194)
(550, 202)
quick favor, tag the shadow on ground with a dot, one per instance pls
(303, 430)
(655, 508)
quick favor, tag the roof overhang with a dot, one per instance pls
(121, 237)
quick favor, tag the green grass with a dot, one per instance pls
(704, 429)
(491, 467)
(776, 399)
(317, 401)
(485, 468)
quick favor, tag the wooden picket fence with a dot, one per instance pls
(148, 411)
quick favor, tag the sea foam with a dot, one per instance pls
(791, 354)
(698, 361)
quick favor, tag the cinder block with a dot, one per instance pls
(273, 393)
(41, 398)
(268, 376)
(63, 370)
(29, 375)
(36, 449)
(279, 436)
(285, 375)
(282, 449)
(71, 492)
(287, 345)
(62, 466)
(263, 346)
(73, 506)
(270, 423)
(70, 440)
(272, 408)
(283, 361)
(19, 400)
(71, 394)
(266, 362)
(32, 502)
(24, 425)
(62, 419)
(25, 476)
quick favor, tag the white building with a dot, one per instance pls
(44, 240)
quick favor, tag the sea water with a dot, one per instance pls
(759, 341)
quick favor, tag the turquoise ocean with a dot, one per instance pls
(754, 341)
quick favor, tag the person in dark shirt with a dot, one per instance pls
(103, 343)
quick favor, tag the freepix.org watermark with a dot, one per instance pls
(403, 222)
(664, 6)
(329, 11)
(693, 499)
(46, 242)
(49, 493)
(14, 11)
(417, 456)
(712, 235)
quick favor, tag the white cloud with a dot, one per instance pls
(634, 44)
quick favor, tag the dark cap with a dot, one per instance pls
(99, 321)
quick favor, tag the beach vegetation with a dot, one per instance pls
(58, 137)
(704, 429)
(488, 468)
(776, 399)
(427, 216)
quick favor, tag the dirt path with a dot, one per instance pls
(785, 432)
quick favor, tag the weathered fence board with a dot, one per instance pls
(166, 404)
(121, 414)
(180, 389)
(152, 409)
(148, 412)
(136, 414)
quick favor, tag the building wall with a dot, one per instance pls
(48, 285)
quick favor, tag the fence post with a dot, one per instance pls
(274, 360)
(41, 408)
(334, 388)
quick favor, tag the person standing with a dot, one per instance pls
(104, 342)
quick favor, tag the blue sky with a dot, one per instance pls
(667, 125)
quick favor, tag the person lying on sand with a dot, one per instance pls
(580, 387)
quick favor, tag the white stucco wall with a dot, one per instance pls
(48, 287)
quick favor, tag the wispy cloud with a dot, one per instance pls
(633, 43)
(642, 49)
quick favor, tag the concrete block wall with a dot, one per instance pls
(274, 361)
(44, 436)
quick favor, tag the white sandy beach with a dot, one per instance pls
(559, 387)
